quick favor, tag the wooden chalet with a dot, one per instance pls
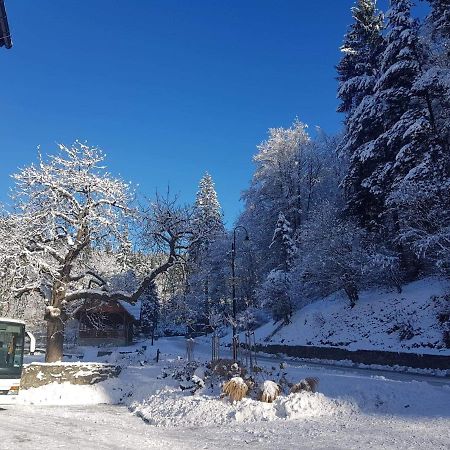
(109, 324)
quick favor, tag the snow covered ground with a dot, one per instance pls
(352, 409)
(381, 320)
(107, 427)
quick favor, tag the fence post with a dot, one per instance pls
(190, 349)
(215, 347)
(255, 362)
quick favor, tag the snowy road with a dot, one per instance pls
(202, 348)
(113, 427)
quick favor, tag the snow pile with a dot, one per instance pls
(293, 407)
(249, 410)
(168, 408)
(70, 394)
(381, 320)
(307, 404)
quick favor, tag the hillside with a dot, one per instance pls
(412, 321)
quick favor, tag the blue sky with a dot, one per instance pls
(168, 88)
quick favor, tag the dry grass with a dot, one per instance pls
(236, 389)
(269, 391)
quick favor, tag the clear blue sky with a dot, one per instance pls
(168, 88)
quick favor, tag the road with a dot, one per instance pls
(203, 349)
(113, 427)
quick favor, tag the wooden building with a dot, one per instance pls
(109, 324)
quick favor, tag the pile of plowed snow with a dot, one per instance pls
(168, 408)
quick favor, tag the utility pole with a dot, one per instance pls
(235, 343)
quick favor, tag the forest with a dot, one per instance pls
(366, 208)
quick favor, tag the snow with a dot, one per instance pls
(133, 309)
(341, 395)
(373, 324)
(270, 388)
(67, 394)
(351, 409)
(169, 409)
(7, 320)
(106, 428)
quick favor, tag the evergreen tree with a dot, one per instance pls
(284, 243)
(392, 132)
(207, 216)
(435, 80)
(358, 72)
(412, 146)
(208, 225)
(362, 46)
(149, 311)
(420, 191)
(439, 19)
(275, 291)
(400, 68)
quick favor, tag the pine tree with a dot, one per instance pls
(207, 217)
(412, 144)
(275, 291)
(284, 243)
(149, 311)
(440, 21)
(358, 73)
(397, 123)
(209, 227)
(407, 155)
(362, 46)
(400, 68)
(436, 77)
(420, 189)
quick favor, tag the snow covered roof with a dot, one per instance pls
(7, 320)
(133, 310)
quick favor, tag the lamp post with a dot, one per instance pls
(233, 287)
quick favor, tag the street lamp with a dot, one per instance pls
(233, 284)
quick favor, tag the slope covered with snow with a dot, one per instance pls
(410, 321)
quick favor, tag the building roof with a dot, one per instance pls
(5, 36)
(133, 310)
(7, 320)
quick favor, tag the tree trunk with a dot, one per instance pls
(352, 293)
(55, 339)
(55, 325)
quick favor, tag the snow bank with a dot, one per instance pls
(70, 394)
(308, 404)
(168, 408)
